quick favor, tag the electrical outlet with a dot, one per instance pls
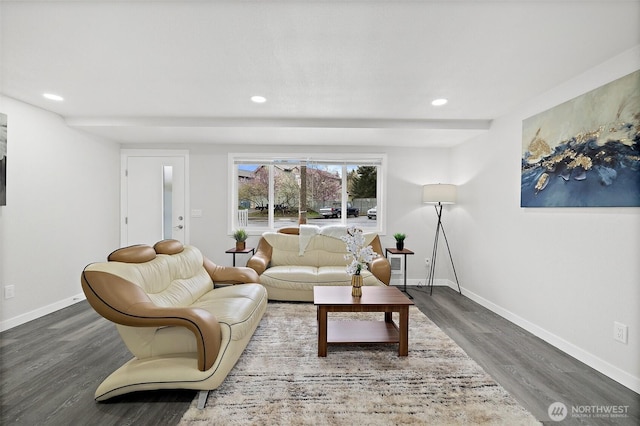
(620, 332)
(9, 291)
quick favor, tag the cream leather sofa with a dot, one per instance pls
(183, 332)
(290, 263)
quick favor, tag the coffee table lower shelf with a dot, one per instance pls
(358, 332)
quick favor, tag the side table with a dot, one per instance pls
(403, 252)
(235, 251)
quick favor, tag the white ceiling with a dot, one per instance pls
(334, 72)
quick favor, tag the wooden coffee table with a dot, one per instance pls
(374, 299)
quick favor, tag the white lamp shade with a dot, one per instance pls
(439, 193)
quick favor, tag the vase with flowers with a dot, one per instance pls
(359, 255)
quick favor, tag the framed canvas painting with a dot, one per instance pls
(3, 160)
(586, 151)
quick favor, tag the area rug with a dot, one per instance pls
(280, 380)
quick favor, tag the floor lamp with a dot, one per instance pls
(439, 194)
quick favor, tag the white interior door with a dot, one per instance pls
(153, 198)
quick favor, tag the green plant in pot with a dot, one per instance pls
(240, 235)
(399, 240)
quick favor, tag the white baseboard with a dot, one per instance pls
(609, 370)
(40, 312)
(423, 283)
(580, 354)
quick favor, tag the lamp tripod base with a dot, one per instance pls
(434, 254)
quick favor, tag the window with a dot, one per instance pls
(270, 191)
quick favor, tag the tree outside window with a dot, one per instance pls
(271, 193)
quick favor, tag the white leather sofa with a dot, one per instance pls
(183, 332)
(290, 264)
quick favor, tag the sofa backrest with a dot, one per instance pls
(176, 279)
(321, 250)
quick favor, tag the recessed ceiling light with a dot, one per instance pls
(259, 99)
(439, 102)
(53, 97)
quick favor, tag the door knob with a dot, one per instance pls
(179, 226)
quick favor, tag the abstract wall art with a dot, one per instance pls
(586, 151)
(3, 160)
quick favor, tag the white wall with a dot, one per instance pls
(565, 274)
(61, 213)
(408, 170)
(63, 207)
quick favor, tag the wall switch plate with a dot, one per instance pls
(620, 332)
(9, 291)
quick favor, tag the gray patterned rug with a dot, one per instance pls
(280, 380)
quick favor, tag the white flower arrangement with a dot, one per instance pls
(359, 255)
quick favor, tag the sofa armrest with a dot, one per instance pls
(259, 262)
(230, 274)
(381, 268)
(123, 302)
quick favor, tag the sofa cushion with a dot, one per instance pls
(337, 275)
(236, 306)
(305, 277)
(321, 250)
(169, 280)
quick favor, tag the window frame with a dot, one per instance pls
(271, 159)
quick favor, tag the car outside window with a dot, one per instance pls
(271, 191)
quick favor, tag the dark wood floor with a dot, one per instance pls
(51, 367)
(532, 371)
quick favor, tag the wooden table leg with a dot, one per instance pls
(322, 331)
(403, 347)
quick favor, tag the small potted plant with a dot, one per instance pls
(240, 235)
(399, 240)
